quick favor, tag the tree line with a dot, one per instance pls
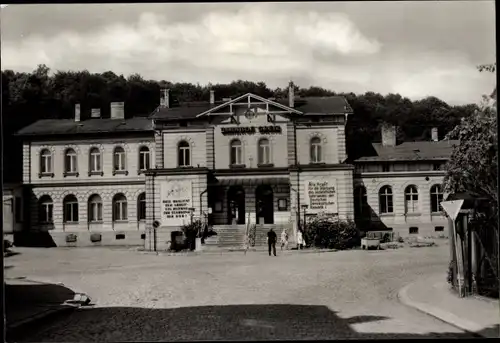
(28, 97)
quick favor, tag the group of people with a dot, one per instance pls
(272, 238)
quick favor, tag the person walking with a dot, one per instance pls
(271, 241)
(284, 239)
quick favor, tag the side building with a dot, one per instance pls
(398, 187)
(87, 176)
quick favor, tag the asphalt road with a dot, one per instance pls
(350, 294)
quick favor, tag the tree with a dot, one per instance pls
(473, 169)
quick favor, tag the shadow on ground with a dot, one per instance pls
(233, 322)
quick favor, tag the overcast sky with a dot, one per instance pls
(416, 48)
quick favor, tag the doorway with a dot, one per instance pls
(236, 205)
(264, 203)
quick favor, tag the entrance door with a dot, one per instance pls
(236, 205)
(264, 204)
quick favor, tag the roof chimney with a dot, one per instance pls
(212, 97)
(434, 134)
(388, 135)
(77, 112)
(95, 113)
(117, 110)
(165, 98)
(291, 95)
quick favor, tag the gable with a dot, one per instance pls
(250, 101)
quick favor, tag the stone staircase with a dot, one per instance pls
(228, 236)
(261, 233)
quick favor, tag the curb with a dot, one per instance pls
(225, 251)
(444, 316)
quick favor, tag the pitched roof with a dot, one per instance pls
(412, 151)
(70, 127)
(309, 105)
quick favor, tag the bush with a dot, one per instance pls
(191, 231)
(332, 233)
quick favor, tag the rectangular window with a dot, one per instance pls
(70, 161)
(71, 212)
(264, 154)
(385, 167)
(18, 210)
(120, 210)
(46, 213)
(282, 204)
(236, 155)
(144, 160)
(95, 212)
(142, 210)
(413, 230)
(439, 228)
(46, 164)
(218, 207)
(95, 162)
(120, 161)
(184, 157)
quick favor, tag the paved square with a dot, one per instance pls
(232, 296)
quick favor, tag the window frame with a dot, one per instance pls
(46, 162)
(144, 158)
(141, 207)
(72, 203)
(120, 156)
(236, 145)
(122, 203)
(411, 198)
(95, 209)
(95, 159)
(264, 152)
(70, 161)
(316, 150)
(46, 206)
(436, 198)
(388, 204)
(184, 154)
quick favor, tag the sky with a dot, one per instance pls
(416, 49)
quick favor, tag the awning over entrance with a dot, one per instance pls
(253, 181)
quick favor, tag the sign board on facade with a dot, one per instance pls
(321, 195)
(250, 130)
(176, 202)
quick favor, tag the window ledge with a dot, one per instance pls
(237, 166)
(96, 222)
(437, 214)
(390, 214)
(124, 221)
(185, 167)
(317, 163)
(141, 171)
(76, 174)
(265, 165)
(40, 175)
(70, 223)
(100, 173)
(120, 172)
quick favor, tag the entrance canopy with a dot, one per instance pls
(252, 181)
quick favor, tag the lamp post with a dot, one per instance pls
(304, 207)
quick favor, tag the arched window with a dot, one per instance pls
(141, 207)
(436, 198)
(45, 161)
(411, 199)
(119, 159)
(316, 150)
(360, 202)
(45, 210)
(264, 153)
(119, 207)
(144, 158)
(95, 160)
(95, 208)
(385, 200)
(184, 154)
(70, 209)
(236, 152)
(70, 161)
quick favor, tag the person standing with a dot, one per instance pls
(271, 241)
(284, 239)
(300, 239)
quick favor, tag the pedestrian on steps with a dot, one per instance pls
(284, 239)
(271, 241)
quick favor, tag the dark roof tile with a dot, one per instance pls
(69, 126)
(411, 151)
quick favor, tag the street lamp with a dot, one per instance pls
(304, 207)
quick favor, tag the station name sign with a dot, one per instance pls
(250, 130)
